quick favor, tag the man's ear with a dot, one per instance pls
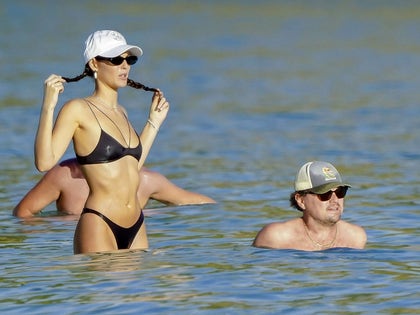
(300, 201)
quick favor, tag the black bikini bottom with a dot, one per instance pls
(123, 236)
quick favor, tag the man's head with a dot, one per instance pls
(317, 177)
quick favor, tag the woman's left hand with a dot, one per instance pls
(158, 109)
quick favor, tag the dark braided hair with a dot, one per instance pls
(88, 72)
(138, 85)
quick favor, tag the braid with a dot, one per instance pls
(140, 86)
(87, 72)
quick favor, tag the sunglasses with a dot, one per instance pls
(340, 192)
(131, 60)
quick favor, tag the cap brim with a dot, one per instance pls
(114, 52)
(327, 187)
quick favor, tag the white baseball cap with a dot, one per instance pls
(107, 43)
(318, 177)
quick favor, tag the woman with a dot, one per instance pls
(106, 145)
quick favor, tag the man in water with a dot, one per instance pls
(66, 185)
(319, 194)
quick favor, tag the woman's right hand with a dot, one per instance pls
(53, 85)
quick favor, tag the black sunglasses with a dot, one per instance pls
(131, 60)
(340, 192)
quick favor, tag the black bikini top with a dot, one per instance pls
(108, 149)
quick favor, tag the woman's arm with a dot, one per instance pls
(158, 111)
(51, 142)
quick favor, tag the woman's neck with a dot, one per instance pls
(107, 101)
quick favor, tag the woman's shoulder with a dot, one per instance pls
(75, 107)
(76, 102)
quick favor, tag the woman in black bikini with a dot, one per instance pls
(107, 146)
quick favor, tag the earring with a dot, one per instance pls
(95, 74)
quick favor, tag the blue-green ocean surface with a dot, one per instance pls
(257, 88)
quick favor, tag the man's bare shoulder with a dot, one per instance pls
(353, 236)
(148, 175)
(71, 167)
(64, 172)
(352, 228)
(277, 234)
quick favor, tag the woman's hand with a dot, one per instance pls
(158, 109)
(53, 85)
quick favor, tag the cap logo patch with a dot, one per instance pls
(328, 174)
(115, 35)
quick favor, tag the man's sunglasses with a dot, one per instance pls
(340, 192)
(131, 60)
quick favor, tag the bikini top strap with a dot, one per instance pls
(118, 128)
(90, 104)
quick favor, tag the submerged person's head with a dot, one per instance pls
(319, 178)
